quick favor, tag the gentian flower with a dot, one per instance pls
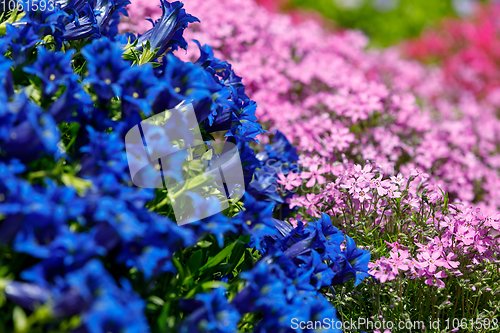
(104, 64)
(215, 314)
(139, 89)
(22, 39)
(166, 33)
(53, 68)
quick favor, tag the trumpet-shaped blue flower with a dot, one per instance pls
(104, 64)
(166, 33)
(140, 89)
(22, 39)
(53, 68)
(214, 314)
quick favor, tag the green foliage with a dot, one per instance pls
(384, 27)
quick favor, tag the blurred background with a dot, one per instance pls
(385, 22)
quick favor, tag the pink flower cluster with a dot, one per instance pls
(439, 242)
(469, 52)
(331, 97)
(458, 238)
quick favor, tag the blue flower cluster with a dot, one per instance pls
(93, 246)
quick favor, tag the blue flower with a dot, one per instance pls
(152, 253)
(50, 21)
(84, 25)
(73, 104)
(139, 89)
(256, 220)
(53, 68)
(22, 39)
(280, 149)
(102, 304)
(104, 64)
(107, 15)
(44, 214)
(69, 251)
(24, 124)
(214, 314)
(182, 82)
(6, 82)
(356, 264)
(103, 154)
(166, 33)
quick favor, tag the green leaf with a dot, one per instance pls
(214, 261)
(195, 261)
(237, 255)
(207, 286)
(20, 320)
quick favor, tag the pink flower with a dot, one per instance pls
(431, 260)
(363, 194)
(392, 191)
(363, 170)
(399, 261)
(295, 222)
(465, 234)
(352, 184)
(435, 280)
(340, 138)
(296, 201)
(314, 175)
(417, 172)
(290, 181)
(381, 270)
(398, 180)
(380, 185)
(414, 266)
(449, 263)
(413, 202)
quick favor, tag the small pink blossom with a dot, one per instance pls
(417, 172)
(295, 201)
(392, 192)
(363, 194)
(314, 175)
(290, 181)
(398, 180)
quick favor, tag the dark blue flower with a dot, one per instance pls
(182, 82)
(256, 220)
(355, 265)
(152, 253)
(280, 149)
(22, 39)
(6, 82)
(103, 154)
(107, 15)
(24, 124)
(69, 251)
(166, 33)
(214, 314)
(50, 21)
(102, 304)
(84, 25)
(139, 89)
(73, 104)
(104, 64)
(53, 68)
